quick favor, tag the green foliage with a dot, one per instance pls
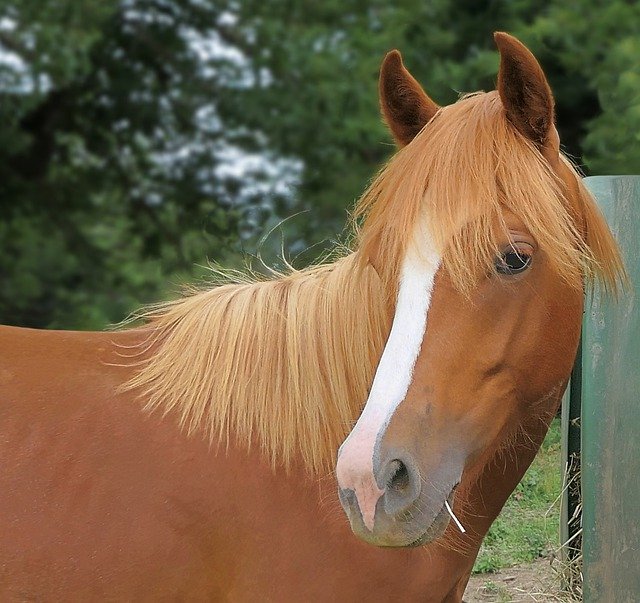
(108, 156)
(125, 127)
(528, 527)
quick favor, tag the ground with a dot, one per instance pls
(514, 563)
(536, 581)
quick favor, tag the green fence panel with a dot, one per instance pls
(610, 412)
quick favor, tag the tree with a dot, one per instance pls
(137, 139)
(595, 46)
(111, 164)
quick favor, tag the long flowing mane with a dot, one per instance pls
(286, 363)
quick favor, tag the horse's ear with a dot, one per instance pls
(525, 93)
(404, 104)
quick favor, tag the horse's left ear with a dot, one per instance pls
(526, 95)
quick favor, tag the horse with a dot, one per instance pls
(195, 456)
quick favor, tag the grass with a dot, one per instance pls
(499, 592)
(528, 527)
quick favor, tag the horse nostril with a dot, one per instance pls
(399, 479)
(402, 485)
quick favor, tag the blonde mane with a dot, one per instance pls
(466, 166)
(286, 364)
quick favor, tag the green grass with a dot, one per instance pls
(528, 527)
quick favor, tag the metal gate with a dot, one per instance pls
(601, 415)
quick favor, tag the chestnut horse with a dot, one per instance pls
(192, 458)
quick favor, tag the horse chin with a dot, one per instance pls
(437, 527)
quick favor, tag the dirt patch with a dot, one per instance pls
(535, 581)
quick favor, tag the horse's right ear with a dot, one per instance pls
(404, 104)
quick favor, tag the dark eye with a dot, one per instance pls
(512, 262)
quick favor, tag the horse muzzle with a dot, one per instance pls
(397, 504)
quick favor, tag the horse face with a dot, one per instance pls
(484, 364)
(460, 371)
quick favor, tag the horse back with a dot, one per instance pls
(88, 506)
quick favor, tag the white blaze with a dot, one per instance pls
(394, 374)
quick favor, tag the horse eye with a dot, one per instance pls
(512, 262)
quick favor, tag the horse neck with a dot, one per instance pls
(489, 487)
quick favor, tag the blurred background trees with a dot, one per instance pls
(140, 138)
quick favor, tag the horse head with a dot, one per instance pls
(483, 234)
